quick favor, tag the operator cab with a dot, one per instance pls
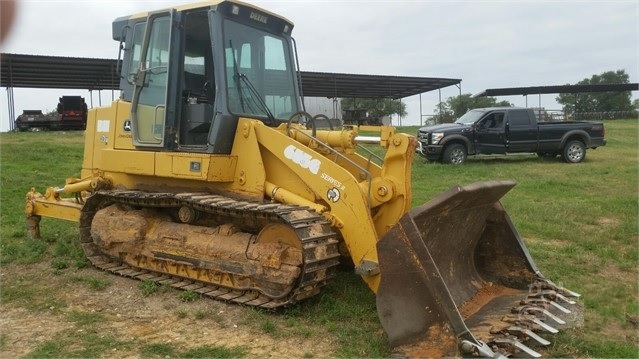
(190, 74)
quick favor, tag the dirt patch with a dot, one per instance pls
(440, 342)
(485, 294)
(161, 318)
(606, 221)
(24, 330)
(610, 270)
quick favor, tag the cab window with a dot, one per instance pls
(518, 118)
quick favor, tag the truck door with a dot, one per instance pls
(490, 134)
(148, 108)
(521, 131)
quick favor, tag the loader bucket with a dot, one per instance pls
(457, 280)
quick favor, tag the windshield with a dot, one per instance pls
(259, 75)
(470, 117)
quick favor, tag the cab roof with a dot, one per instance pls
(120, 22)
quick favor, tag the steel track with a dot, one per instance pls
(319, 250)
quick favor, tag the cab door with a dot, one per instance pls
(521, 131)
(148, 107)
(490, 135)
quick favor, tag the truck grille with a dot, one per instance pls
(423, 137)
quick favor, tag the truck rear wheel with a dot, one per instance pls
(454, 154)
(574, 151)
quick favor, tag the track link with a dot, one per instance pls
(319, 248)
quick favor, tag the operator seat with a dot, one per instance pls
(196, 86)
(197, 115)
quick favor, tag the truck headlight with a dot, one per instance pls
(435, 137)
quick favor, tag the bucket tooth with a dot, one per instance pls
(544, 283)
(564, 299)
(551, 295)
(536, 302)
(543, 293)
(529, 321)
(513, 345)
(545, 326)
(481, 349)
(561, 308)
(546, 303)
(525, 334)
(541, 312)
(569, 293)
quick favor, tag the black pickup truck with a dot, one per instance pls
(503, 130)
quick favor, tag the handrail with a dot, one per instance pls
(368, 176)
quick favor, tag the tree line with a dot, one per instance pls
(580, 106)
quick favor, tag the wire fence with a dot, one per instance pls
(607, 115)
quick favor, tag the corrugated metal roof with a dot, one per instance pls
(536, 90)
(34, 71)
(58, 72)
(338, 85)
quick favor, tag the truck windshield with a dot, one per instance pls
(259, 74)
(470, 117)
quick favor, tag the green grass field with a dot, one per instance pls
(579, 222)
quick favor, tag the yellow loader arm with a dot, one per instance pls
(322, 170)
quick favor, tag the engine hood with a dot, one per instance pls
(444, 127)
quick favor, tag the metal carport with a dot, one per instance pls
(35, 71)
(573, 89)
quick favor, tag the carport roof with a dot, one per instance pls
(324, 84)
(35, 71)
(535, 90)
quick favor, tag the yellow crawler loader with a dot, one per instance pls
(206, 174)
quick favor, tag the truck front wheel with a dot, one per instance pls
(454, 154)
(574, 151)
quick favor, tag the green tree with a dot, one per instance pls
(598, 101)
(456, 106)
(376, 107)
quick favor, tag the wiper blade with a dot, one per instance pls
(240, 78)
(257, 97)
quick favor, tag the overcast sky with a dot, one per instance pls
(486, 44)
